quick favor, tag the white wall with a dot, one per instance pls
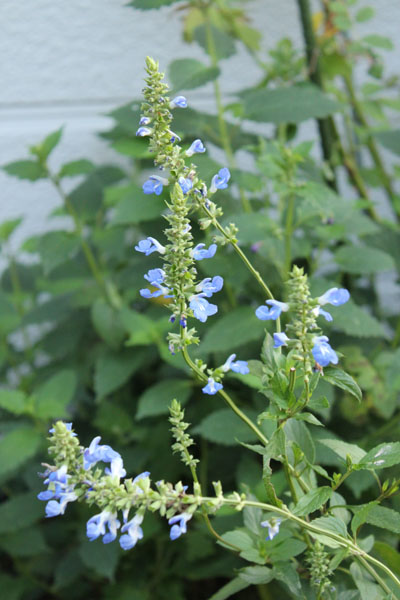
(69, 62)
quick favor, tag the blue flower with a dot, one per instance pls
(186, 184)
(220, 181)
(144, 121)
(154, 185)
(54, 508)
(68, 427)
(178, 525)
(178, 101)
(280, 339)
(117, 468)
(174, 137)
(160, 291)
(149, 245)
(97, 524)
(104, 453)
(322, 351)
(197, 147)
(239, 366)
(273, 527)
(320, 311)
(200, 251)
(155, 276)
(212, 387)
(58, 489)
(202, 308)
(335, 296)
(143, 131)
(264, 313)
(133, 533)
(210, 286)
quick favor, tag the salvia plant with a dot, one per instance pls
(231, 280)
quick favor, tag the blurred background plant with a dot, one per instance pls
(78, 342)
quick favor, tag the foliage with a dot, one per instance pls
(80, 343)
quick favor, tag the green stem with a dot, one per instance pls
(111, 295)
(289, 233)
(223, 129)
(374, 574)
(226, 397)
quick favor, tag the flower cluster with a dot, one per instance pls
(306, 310)
(77, 476)
(214, 384)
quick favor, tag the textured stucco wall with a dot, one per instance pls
(68, 63)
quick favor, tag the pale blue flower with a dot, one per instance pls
(322, 351)
(54, 508)
(117, 468)
(143, 131)
(220, 181)
(280, 339)
(212, 387)
(185, 183)
(264, 313)
(179, 101)
(238, 366)
(174, 137)
(202, 308)
(209, 286)
(144, 121)
(197, 147)
(335, 296)
(97, 525)
(154, 185)
(160, 291)
(273, 527)
(320, 311)
(150, 245)
(132, 533)
(200, 251)
(155, 276)
(178, 525)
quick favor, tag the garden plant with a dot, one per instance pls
(205, 359)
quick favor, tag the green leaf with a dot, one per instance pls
(383, 517)
(150, 4)
(157, 398)
(26, 169)
(331, 524)
(8, 227)
(56, 248)
(101, 558)
(287, 105)
(342, 380)
(142, 331)
(76, 167)
(313, 500)
(233, 330)
(342, 449)
(297, 432)
(224, 46)
(134, 206)
(113, 369)
(256, 575)
(368, 590)
(252, 226)
(389, 555)
(286, 572)
(378, 41)
(389, 139)
(188, 73)
(356, 321)
(17, 447)
(53, 397)
(87, 197)
(363, 259)
(14, 401)
(252, 517)
(44, 149)
(20, 512)
(68, 569)
(15, 587)
(239, 538)
(234, 586)
(24, 543)
(287, 549)
(106, 321)
(222, 427)
(382, 456)
(364, 14)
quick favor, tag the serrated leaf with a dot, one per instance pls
(101, 558)
(76, 167)
(234, 586)
(17, 447)
(157, 398)
(19, 512)
(256, 575)
(239, 538)
(189, 73)
(342, 449)
(363, 259)
(113, 369)
(287, 105)
(311, 501)
(331, 524)
(52, 398)
(223, 427)
(14, 401)
(342, 380)
(26, 169)
(286, 572)
(234, 329)
(382, 456)
(252, 517)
